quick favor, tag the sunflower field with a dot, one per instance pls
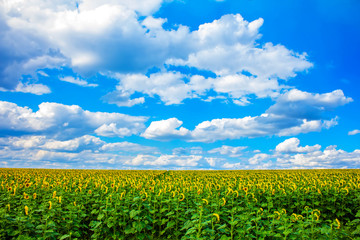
(156, 204)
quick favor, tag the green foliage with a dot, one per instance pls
(99, 204)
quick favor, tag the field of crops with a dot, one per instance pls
(124, 204)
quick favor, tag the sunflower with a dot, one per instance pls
(182, 197)
(217, 217)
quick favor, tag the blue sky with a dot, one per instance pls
(158, 84)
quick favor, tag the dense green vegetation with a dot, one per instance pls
(100, 204)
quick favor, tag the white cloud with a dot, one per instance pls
(169, 86)
(139, 160)
(86, 141)
(174, 160)
(42, 158)
(228, 150)
(258, 158)
(79, 144)
(241, 101)
(189, 150)
(294, 157)
(291, 145)
(281, 119)
(308, 126)
(93, 36)
(174, 87)
(267, 62)
(329, 158)
(23, 51)
(122, 99)
(211, 161)
(67, 121)
(23, 142)
(230, 37)
(165, 161)
(232, 128)
(237, 165)
(78, 81)
(354, 132)
(128, 147)
(165, 130)
(112, 38)
(299, 104)
(37, 89)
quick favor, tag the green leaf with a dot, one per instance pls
(188, 224)
(170, 213)
(40, 226)
(170, 224)
(222, 227)
(101, 216)
(64, 236)
(133, 213)
(358, 214)
(190, 231)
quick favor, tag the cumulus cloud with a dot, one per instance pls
(300, 104)
(81, 152)
(354, 132)
(174, 87)
(169, 86)
(42, 158)
(212, 161)
(258, 158)
(165, 160)
(289, 155)
(280, 119)
(113, 38)
(89, 36)
(232, 128)
(65, 121)
(329, 158)
(78, 81)
(22, 51)
(37, 89)
(186, 151)
(122, 98)
(128, 147)
(228, 150)
(23, 142)
(86, 142)
(252, 69)
(166, 130)
(291, 145)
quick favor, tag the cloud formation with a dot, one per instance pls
(65, 121)
(166, 130)
(37, 89)
(300, 104)
(228, 150)
(88, 36)
(253, 69)
(354, 132)
(78, 81)
(291, 145)
(112, 39)
(82, 152)
(281, 119)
